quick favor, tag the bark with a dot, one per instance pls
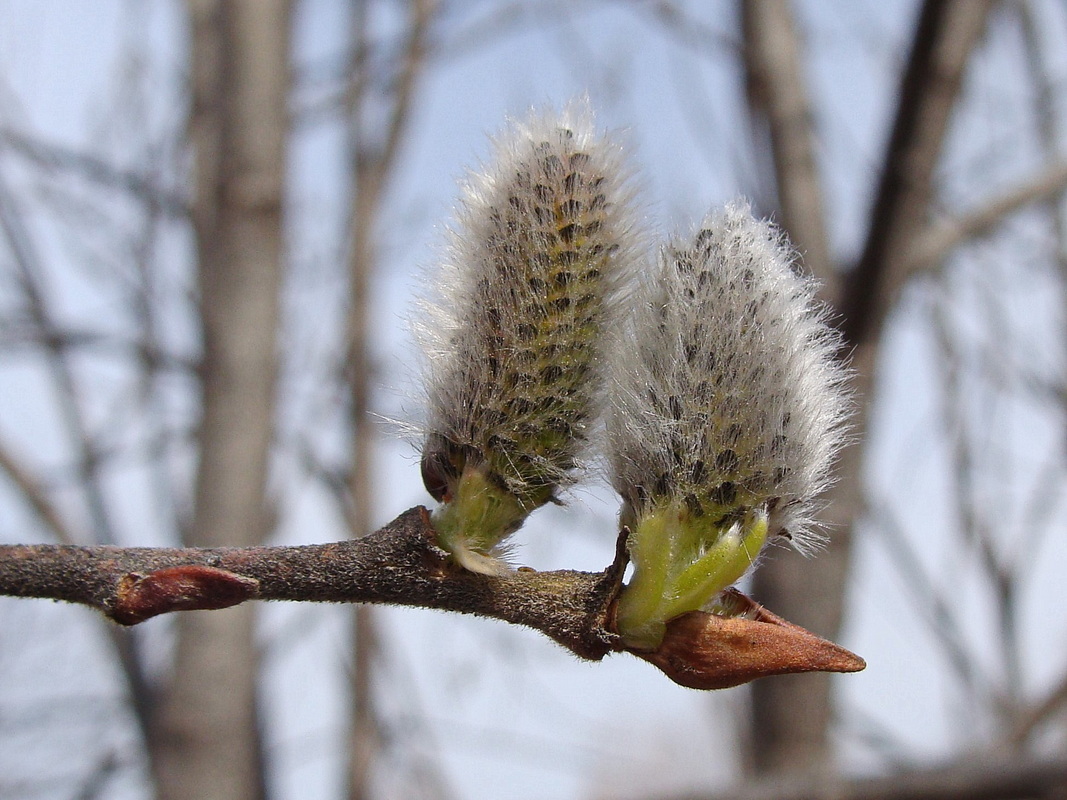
(207, 742)
(791, 716)
(398, 564)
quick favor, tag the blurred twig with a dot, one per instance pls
(372, 156)
(31, 272)
(56, 158)
(945, 235)
(973, 778)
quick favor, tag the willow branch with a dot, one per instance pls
(401, 564)
(398, 564)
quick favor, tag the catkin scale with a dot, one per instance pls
(535, 269)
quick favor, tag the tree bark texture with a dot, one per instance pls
(207, 743)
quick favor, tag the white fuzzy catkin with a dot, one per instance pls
(538, 259)
(726, 392)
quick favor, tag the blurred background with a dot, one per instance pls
(214, 218)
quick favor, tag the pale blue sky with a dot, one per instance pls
(508, 714)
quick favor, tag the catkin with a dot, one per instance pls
(537, 262)
(733, 398)
(727, 410)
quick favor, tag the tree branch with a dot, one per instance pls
(979, 778)
(401, 564)
(55, 158)
(31, 491)
(777, 90)
(945, 235)
(946, 34)
(398, 564)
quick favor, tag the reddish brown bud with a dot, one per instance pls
(709, 651)
(186, 588)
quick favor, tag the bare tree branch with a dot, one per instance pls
(207, 742)
(55, 158)
(935, 610)
(790, 719)
(29, 264)
(945, 235)
(946, 34)
(32, 492)
(774, 72)
(1029, 720)
(401, 564)
(371, 164)
(977, 778)
(687, 29)
(792, 715)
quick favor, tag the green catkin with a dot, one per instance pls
(727, 410)
(537, 262)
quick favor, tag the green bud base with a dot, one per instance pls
(681, 563)
(476, 519)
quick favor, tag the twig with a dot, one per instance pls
(401, 564)
(1031, 718)
(28, 261)
(398, 564)
(944, 236)
(935, 608)
(33, 493)
(55, 158)
(970, 779)
(372, 167)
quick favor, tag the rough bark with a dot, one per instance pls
(791, 716)
(206, 743)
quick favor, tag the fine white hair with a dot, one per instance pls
(539, 257)
(726, 389)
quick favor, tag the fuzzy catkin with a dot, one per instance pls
(732, 401)
(537, 261)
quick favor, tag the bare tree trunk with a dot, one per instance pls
(791, 715)
(778, 97)
(364, 741)
(208, 742)
(372, 157)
